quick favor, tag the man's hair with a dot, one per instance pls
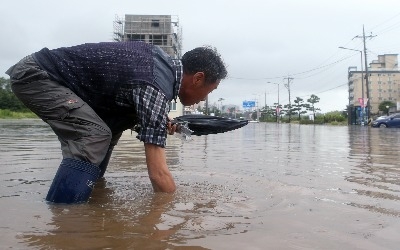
(204, 59)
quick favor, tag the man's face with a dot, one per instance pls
(194, 89)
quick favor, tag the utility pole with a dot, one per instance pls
(265, 99)
(366, 73)
(220, 104)
(206, 113)
(278, 110)
(287, 85)
(362, 85)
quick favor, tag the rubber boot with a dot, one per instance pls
(103, 165)
(74, 182)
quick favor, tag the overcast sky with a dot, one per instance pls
(261, 41)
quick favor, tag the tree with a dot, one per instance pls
(232, 112)
(313, 100)
(289, 110)
(5, 84)
(7, 98)
(382, 106)
(268, 113)
(213, 109)
(298, 107)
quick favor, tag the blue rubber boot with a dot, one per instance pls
(74, 182)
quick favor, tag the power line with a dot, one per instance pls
(332, 88)
(381, 31)
(386, 21)
(303, 72)
(317, 93)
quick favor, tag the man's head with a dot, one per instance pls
(203, 69)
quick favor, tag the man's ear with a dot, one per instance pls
(198, 78)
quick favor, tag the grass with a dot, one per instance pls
(8, 114)
(335, 123)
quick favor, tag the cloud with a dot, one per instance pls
(260, 41)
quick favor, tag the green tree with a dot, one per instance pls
(313, 100)
(232, 111)
(268, 113)
(299, 106)
(5, 84)
(7, 98)
(382, 106)
(290, 110)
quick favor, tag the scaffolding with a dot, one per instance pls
(118, 29)
(161, 30)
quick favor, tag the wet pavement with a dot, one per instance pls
(265, 186)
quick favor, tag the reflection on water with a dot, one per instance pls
(377, 170)
(265, 186)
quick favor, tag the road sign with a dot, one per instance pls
(363, 102)
(249, 104)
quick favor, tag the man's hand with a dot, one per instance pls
(159, 174)
(171, 128)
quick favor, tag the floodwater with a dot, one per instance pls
(265, 186)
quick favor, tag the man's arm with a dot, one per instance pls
(159, 174)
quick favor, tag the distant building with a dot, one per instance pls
(383, 85)
(160, 30)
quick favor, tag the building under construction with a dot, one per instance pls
(160, 30)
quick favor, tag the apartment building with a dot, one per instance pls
(383, 85)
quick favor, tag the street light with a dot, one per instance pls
(362, 85)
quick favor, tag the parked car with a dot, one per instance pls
(391, 121)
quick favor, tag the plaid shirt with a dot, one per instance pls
(152, 108)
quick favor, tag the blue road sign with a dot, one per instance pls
(249, 104)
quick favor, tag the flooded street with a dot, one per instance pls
(265, 186)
